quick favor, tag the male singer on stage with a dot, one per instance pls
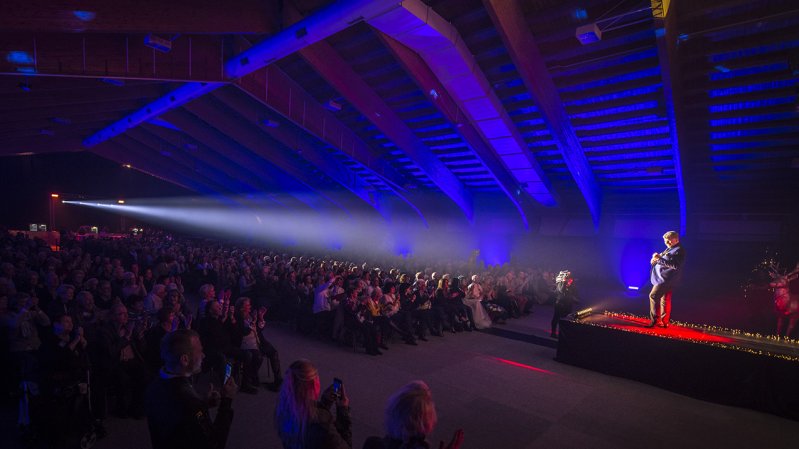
(666, 271)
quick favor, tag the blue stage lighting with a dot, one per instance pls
(740, 90)
(85, 16)
(753, 104)
(617, 110)
(616, 95)
(19, 57)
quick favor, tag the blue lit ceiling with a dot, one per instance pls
(668, 115)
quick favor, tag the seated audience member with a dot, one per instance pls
(358, 317)
(410, 416)
(177, 416)
(474, 300)
(414, 320)
(393, 317)
(303, 419)
(424, 311)
(463, 312)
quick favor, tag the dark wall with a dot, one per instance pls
(26, 183)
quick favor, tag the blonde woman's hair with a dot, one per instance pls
(410, 412)
(296, 405)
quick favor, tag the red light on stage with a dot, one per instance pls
(522, 365)
(638, 325)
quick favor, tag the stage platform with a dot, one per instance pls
(711, 363)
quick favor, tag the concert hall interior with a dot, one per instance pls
(540, 150)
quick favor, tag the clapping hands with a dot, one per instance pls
(456, 442)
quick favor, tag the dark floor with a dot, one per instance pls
(506, 391)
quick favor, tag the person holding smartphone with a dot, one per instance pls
(177, 416)
(302, 416)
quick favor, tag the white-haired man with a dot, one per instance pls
(665, 273)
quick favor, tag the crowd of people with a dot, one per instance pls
(93, 314)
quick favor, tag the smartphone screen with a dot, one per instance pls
(228, 371)
(337, 385)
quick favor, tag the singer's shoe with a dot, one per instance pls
(652, 323)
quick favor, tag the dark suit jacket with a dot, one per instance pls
(178, 418)
(668, 269)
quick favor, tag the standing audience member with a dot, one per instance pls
(62, 305)
(176, 415)
(120, 364)
(247, 333)
(215, 331)
(155, 300)
(565, 298)
(303, 420)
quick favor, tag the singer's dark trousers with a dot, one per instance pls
(660, 303)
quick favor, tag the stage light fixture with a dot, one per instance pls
(333, 105)
(54, 195)
(120, 201)
(588, 34)
(270, 123)
(632, 287)
(580, 314)
(158, 43)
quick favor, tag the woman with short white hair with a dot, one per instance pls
(409, 418)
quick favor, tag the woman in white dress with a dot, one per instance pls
(474, 299)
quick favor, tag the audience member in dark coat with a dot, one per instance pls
(177, 416)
